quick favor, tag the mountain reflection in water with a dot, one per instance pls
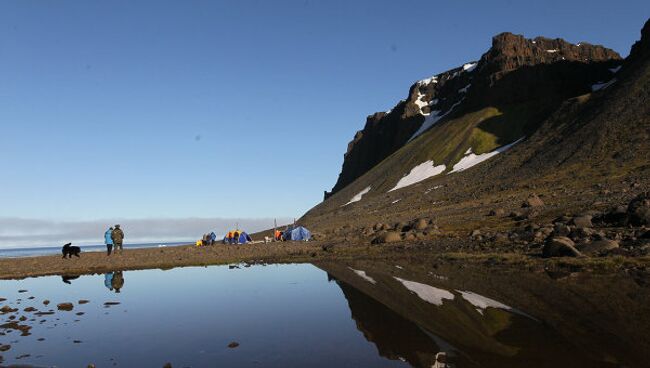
(536, 320)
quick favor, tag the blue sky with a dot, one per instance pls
(176, 109)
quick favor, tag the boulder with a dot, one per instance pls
(533, 201)
(582, 221)
(420, 224)
(597, 246)
(387, 237)
(560, 246)
(497, 212)
(616, 216)
(561, 229)
(7, 309)
(639, 210)
(65, 306)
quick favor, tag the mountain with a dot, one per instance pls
(566, 125)
(515, 76)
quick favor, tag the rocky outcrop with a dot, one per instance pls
(515, 69)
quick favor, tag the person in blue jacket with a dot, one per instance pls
(109, 241)
(213, 238)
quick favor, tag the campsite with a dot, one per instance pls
(369, 183)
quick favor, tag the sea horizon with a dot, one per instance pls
(34, 251)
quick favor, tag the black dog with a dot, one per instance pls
(70, 250)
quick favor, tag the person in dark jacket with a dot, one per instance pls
(213, 238)
(118, 281)
(236, 237)
(108, 239)
(118, 237)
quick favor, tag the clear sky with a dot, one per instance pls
(177, 109)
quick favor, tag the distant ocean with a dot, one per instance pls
(44, 251)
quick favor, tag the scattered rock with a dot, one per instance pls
(560, 246)
(7, 309)
(167, 365)
(5, 347)
(639, 210)
(387, 237)
(22, 291)
(497, 212)
(30, 309)
(83, 301)
(533, 201)
(582, 221)
(598, 246)
(421, 224)
(65, 306)
(233, 345)
(561, 229)
(46, 302)
(108, 304)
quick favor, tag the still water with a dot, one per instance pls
(333, 315)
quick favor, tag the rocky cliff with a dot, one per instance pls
(514, 70)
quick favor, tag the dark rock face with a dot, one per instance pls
(514, 70)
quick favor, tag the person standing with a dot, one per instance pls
(108, 239)
(213, 238)
(108, 280)
(118, 237)
(118, 281)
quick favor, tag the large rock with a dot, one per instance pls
(420, 224)
(582, 221)
(533, 201)
(388, 237)
(597, 246)
(639, 210)
(560, 246)
(65, 306)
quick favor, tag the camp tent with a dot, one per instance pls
(297, 233)
(243, 237)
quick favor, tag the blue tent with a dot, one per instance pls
(297, 233)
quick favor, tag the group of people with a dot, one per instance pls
(114, 281)
(114, 236)
(207, 239)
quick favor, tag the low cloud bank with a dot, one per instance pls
(19, 232)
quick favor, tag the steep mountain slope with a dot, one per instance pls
(514, 71)
(585, 146)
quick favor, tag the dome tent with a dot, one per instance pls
(243, 237)
(297, 233)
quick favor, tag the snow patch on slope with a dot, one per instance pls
(469, 67)
(431, 119)
(470, 159)
(358, 196)
(427, 81)
(615, 70)
(363, 275)
(426, 292)
(599, 86)
(420, 172)
(481, 302)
